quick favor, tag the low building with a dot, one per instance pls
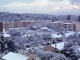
(51, 48)
(59, 46)
(58, 38)
(19, 56)
(44, 28)
(14, 56)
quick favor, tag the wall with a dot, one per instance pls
(1, 27)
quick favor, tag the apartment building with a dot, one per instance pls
(67, 25)
(17, 24)
(66, 17)
(78, 18)
(71, 17)
(46, 21)
(58, 24)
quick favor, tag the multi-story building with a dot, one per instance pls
(71, 17)
(68, 25)
(17, 24)
(61, 17)
(78, 18)
(66, 17)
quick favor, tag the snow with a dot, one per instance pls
(14, 56)
(59, 46)
(78, 47)
(56, 36)
(43, 28)
(67, 23)
(69, 33)
(5, 33)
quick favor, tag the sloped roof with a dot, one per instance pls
(59, 46)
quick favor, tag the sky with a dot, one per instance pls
(56, 7)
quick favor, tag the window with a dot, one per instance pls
(65, 25)
(32, 59)
(74, 25)
(74, 29)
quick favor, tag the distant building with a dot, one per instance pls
(17, 24)
(78, 18)
(71, 17)
(62, 17)
(67, 25)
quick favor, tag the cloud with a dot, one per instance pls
(41, 6)
(2, 2)
(75, 2)
(66, 7)
(55, 0)
(22, 7)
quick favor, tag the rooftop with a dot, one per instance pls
(14, 56)
(59, 45)
(56, 36)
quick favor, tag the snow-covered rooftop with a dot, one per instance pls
(14, 56)
(7, 35)
(56, 36)
(59, 45)
(43, 28)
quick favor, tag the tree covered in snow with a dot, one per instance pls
(74, 39)
(6, 45)
(71, 51)
(14, 32)
(6, 16)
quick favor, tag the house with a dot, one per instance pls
(51, 48)
(59, 46)
(14, 56)
(44, 28)
(57, 38)
(19, 56)
(6, 36)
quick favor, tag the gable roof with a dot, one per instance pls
(59, 46)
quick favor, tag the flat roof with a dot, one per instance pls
(14, 56)
(56, 36)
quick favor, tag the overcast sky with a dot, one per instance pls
(41, 6)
